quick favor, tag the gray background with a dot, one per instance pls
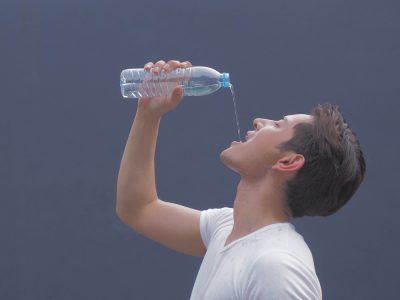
(64, 126)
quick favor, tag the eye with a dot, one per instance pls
(276, 124)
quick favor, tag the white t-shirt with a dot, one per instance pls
(271, 263)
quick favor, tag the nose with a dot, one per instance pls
(258, 123)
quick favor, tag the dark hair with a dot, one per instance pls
(334, 164)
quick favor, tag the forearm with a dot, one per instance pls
(136, 184)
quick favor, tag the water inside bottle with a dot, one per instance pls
(200, 90)
(236, 113)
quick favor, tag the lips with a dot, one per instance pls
(249, 135)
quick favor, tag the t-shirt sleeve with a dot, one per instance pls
(281, 276)
(210, 219)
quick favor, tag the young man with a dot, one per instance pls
(300, 165)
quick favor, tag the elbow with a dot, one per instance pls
(119, 212)
(123, 205)
(126, 217)
(122, 210)
(126, 211)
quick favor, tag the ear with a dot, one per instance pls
(289, 163)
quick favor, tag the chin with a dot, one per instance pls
(227, 159)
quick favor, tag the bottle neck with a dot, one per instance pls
(224, 80)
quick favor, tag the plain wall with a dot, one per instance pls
(64, 125)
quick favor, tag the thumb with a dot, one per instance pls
(177, 94)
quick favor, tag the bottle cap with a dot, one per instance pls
(224, 79)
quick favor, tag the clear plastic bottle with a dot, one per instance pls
(195, 81)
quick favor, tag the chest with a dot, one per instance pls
(221, 277)
(222, 273)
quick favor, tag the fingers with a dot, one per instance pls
(148, 66)
(158, 66)
(155, 68)
(186, 64)
(167, 67)
(173, 64)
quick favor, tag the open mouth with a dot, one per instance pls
(246, 139)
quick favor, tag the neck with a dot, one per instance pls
(258, 203)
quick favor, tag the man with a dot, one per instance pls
(300, 165)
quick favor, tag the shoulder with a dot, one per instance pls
(276, 261)
(216, 216)
(218, 211)
(283, 275)
(213, 220)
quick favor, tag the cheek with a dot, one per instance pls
(266, 147)
(265, 141)
(256, 151)
(273, 138)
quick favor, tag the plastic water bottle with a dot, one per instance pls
(195, 81)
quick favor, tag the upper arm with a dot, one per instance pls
(172, 225)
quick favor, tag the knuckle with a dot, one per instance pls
(173, 62)
(156, 67)
(166, 66)
(148, 65)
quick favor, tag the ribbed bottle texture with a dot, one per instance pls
(195, 81)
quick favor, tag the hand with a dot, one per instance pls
(158, 106)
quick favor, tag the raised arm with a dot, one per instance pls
(138, 206)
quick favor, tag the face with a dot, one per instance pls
(259, 152)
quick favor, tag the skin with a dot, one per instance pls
(263, 169)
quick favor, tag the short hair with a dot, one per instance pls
(334, 164)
